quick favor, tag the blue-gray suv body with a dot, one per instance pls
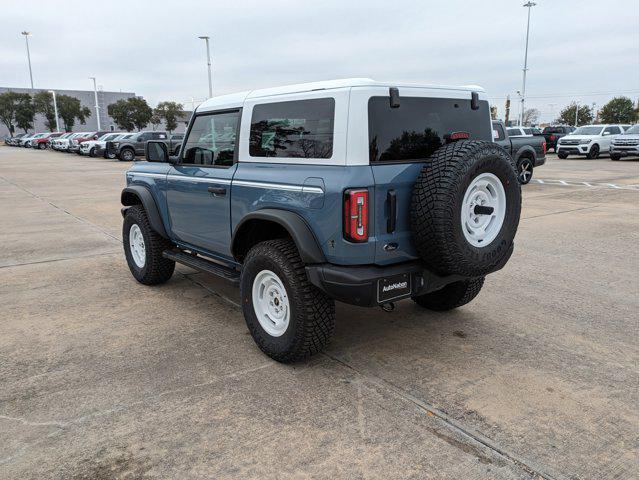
(349, 190)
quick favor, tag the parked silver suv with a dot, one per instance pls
(626, 145)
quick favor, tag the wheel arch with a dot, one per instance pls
(272, 223)
(139, 195)
(526, 151)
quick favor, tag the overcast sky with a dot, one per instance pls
(577, 48)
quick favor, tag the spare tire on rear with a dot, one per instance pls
(465, 209)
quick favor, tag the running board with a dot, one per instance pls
(203, 265)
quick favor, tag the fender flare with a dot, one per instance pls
(307, 245)
(526, 149)
(145, 197)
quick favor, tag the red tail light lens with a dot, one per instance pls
(552, 138)
(543, 145)
(356, 215)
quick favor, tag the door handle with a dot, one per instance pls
(391, 223)
(217, 191)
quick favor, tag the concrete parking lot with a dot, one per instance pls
(101, 377)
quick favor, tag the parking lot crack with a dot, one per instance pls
(470, 435)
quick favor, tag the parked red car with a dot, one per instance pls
(43, 141)
(74, 144)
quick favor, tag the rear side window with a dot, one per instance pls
(421, 125)
(498, 132)
(296, 129)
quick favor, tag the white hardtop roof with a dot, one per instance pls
(235, 100)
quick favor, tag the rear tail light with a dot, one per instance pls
(356, 215)
(543, 146)
(552, 138)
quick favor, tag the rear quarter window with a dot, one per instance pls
(293, 129)
(421, 125)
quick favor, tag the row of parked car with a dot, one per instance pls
(589, 140)
(121, 145)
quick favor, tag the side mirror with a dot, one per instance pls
(95, 137)
(606, 133)
(156, 151)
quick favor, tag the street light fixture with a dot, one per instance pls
(97, 107)
(26, 39)
(208, 62)
(55, 109)
(523, 87)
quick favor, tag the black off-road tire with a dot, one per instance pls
(436, 207)
(563, 156)
(312, 314)
(451, 296)
(156, 269)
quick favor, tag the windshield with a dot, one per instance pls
(591, 130)
(553, 130)
(634, 130)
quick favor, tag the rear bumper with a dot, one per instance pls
(539, 161)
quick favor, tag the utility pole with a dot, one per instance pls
(576, 113)
(26, 39)
(523, 86)
(97, 107)
(507, 110)
(552, 111)
(55, 109)
(208, 63)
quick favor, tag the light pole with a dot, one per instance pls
(26, 39)
(576, 113)
(55, 109)
(208, 62)
(523, 86)
(97, 107)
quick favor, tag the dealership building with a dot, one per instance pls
(87, 99)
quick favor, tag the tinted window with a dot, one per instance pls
(513, 132)
(498, 132)
(211, 140)
(613, 130)
(298, 129)
(421, 125)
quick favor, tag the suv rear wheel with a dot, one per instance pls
(451, 296)
(288, 317)
(143, 248)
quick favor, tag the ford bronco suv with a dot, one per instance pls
(347, 190)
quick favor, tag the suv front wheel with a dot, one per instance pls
(143, 248)
(288, 317)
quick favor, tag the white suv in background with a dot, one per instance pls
(589, 140)
(519, 132)
(626, 145)
(94, 148)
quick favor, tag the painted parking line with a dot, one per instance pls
(569, 183)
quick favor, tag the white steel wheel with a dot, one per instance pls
(136, 245)
(483, 210)
(271, 304)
